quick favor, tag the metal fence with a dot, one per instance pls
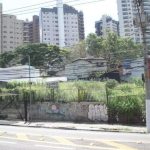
(69, 95)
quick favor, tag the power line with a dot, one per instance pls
(30, 6)
(43, 6)
(61, 7)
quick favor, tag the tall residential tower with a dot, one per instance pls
(14, 32)
(34, 32)
(127, 11)
(60, 25)
(106, 23)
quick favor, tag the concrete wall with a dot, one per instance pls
(49, 111)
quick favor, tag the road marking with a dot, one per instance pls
(8, 142)
(1, 134)
(22, 136)
(128, 141)
(63, 140)
(53, 147)
(120, 146)
(84, 146)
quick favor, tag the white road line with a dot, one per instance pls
(54, 147)
(7, 142)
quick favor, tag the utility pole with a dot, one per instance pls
(30, 114)
(142, 20)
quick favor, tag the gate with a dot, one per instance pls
(9, 109)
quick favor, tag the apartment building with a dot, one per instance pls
(34, 31)
(127, 11)
(60, 25)
(106, 22)
(14, 32)
(81, 25)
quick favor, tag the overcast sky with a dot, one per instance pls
(92, 11)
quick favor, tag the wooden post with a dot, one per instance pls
(107, 98)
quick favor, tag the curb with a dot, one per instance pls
(66, 128)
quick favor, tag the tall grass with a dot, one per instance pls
(125, 100)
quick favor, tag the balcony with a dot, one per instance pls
(25, 30)
(26, 35)
(25, 42)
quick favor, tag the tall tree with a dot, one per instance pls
(40, 54)
(78, 50)
(113, 48)
(94, 45)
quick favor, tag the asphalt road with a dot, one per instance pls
(27, 138)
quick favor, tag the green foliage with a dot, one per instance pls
(78, 50)
(113, 48)
(40, 54)
(111, 84)
(6, 59)
(137, 81)
(127, 102)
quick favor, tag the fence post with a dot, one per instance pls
(52, 94)
(25, 108)
(107, 98)
(78, 95)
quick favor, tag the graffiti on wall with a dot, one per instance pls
(97, 112)
(55, 111)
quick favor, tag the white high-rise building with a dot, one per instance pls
(59, 25)
(106, 23)
(127, 11)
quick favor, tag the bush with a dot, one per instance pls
(127, 102)
(111, 84)
(136, 81)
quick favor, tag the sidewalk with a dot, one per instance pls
(78, 126)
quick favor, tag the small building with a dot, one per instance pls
(133, 68)
(82, 68)
(137, 68)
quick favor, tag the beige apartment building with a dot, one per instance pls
(14, 32)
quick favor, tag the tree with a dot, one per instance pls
(40, 54)
(113, 48)
(78, 50)
(94, 45)
(6, 59)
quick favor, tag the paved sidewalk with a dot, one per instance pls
(77, 126)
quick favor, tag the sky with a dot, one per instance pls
(92, 11)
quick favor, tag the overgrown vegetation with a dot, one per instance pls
(125, 101)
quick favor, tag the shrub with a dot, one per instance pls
(136, 81)
(111, 84)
